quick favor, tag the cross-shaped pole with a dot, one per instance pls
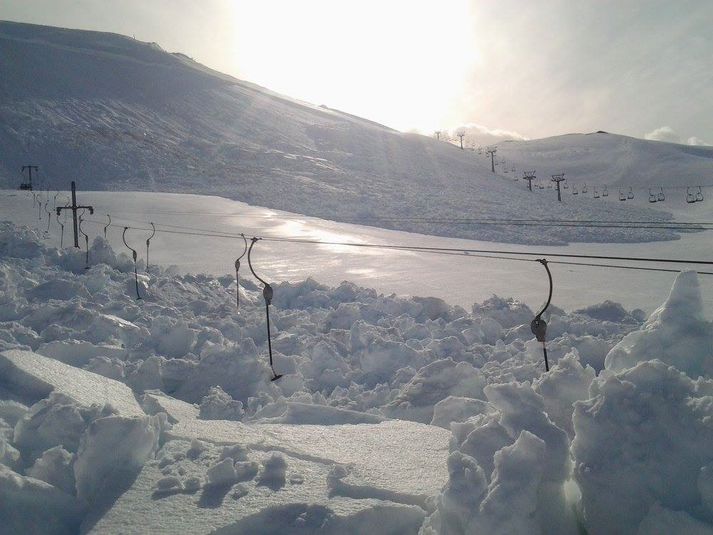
(557, 179)
(529, 176)
(74, 207)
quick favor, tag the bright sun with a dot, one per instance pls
(400, 61)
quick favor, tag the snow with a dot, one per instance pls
(395, 414)
(676, 333)
(642, 439)
(30, 374)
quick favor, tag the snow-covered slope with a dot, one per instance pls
(114, 113)
(602, 158)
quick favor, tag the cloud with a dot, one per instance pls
(478, 135)
(693, 140)
(664, 133)
(669, 135)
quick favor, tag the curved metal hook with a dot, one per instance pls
(250, 250)
(81, 220)
(135, 255)
(538, 326)
(543, 261)
(61, 235)
(107, 225)
(49, 217)
(267, 295)
(148, 241)
(237, 272)
(133, 251)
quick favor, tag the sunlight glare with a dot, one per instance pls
(399, 61)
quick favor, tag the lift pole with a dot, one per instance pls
(30, 168)
(557, 179)
(491, 151)
(529, 176)
(74, 207)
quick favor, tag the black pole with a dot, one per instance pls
(559, 198)
(74, 214)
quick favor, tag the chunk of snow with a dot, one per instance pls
(28, 505)
(33, 375)
(676, 333)
(111, 453)
(642, 438)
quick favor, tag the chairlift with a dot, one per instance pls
(267, 295)
(661, 197)
(699, 195)
(690, 197)
(565, 185)
(652, 196)
(596, 193)
(630, 195)
(605, 193)
(622, 196)
(574, 190)
(584, 189)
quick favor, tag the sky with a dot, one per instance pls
(506, 68)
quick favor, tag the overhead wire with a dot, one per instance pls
(462, 251)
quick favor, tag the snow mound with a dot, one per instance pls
(507, 471)
(676, 333)
(643, 439)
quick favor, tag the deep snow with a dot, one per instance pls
(484, 440)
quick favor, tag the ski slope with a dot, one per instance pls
(154, 121)
(600, 158)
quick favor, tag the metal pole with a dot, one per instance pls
(74, 214)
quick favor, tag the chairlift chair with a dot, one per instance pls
(565, 185)
(605, 193)
(574, 190)
(690, 197)
(622, 196)
(652, 196)
(596, 193)
(699, 195)
(630, 195)
(661, 197)
(584, 189)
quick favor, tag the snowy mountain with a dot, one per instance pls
(602, 158)
(114, 113)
